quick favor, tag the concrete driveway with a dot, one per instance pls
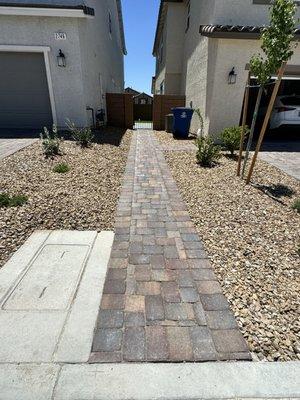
(284, 155)
(13, 140)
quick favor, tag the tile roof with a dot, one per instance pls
(234, 31)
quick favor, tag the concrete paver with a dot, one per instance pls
(284, 156)
(10, 145)
(50, 295)
(161, 274)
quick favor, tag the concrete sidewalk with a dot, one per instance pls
(50, 292)
(150, 381)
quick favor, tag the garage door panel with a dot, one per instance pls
(24, 102)
(24, 119)
(24, 94)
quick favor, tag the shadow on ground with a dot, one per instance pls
(105, 135)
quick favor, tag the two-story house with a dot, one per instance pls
(58, 58)
(203, 49)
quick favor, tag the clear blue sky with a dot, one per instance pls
(140, 18)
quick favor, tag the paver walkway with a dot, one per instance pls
(10, 146)
(161, 299)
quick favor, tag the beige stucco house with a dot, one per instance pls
(199, 42)
(58, 59)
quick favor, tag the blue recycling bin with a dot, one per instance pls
(182, 121)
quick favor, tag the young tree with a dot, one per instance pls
(278, 48)
(262, 69)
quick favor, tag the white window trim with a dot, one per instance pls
(43, 12)
(37, 49)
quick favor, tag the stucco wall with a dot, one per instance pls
(224, 102)
(67, 82)
(170, 69)
(241, 12)
(175, 37)
(94, 58)
(207, 62)
(102, 58)
(195, 63)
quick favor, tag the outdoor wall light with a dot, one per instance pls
(61, 59)
(232, 77)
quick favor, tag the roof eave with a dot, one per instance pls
(121, 24)
(86, 10)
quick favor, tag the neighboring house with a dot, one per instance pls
(138, 97)
(131, 91)
(143, 98)
(58, 58)
(197, 45)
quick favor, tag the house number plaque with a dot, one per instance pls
(60, 36)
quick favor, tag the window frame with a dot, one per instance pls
(188, 16)
(110, 30)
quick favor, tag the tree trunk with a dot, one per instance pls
(244, 121)
(254, 119)
(266, 121)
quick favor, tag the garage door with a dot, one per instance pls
(24, 95)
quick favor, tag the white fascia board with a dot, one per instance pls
(43, 12)
(24, 48)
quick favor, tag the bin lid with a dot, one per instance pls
(182, 108)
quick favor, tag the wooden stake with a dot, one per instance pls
(266, 121)
(253, 124)
(244, 121)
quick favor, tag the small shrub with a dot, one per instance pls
(198, 112)
(82, 136)
(4, 200)
(208, 152)
(12, 201)
(50, 142)
(231, 138)
(61, 168)
(296, 205)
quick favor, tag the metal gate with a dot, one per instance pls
(142, 114)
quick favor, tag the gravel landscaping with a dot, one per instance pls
(85, 198)
(252, 236)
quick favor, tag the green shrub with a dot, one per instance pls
(231, 138)
(12, 201)
(208, 152)
(50, 142)
(82, 136)
(296, 205)
(61, 168)
(4, 200)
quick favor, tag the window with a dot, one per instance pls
(188, 16)
(162, 88)
(161, 52)
(143, 101)
(109, 23)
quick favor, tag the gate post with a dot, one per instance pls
(128, 110)
(157, 101)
